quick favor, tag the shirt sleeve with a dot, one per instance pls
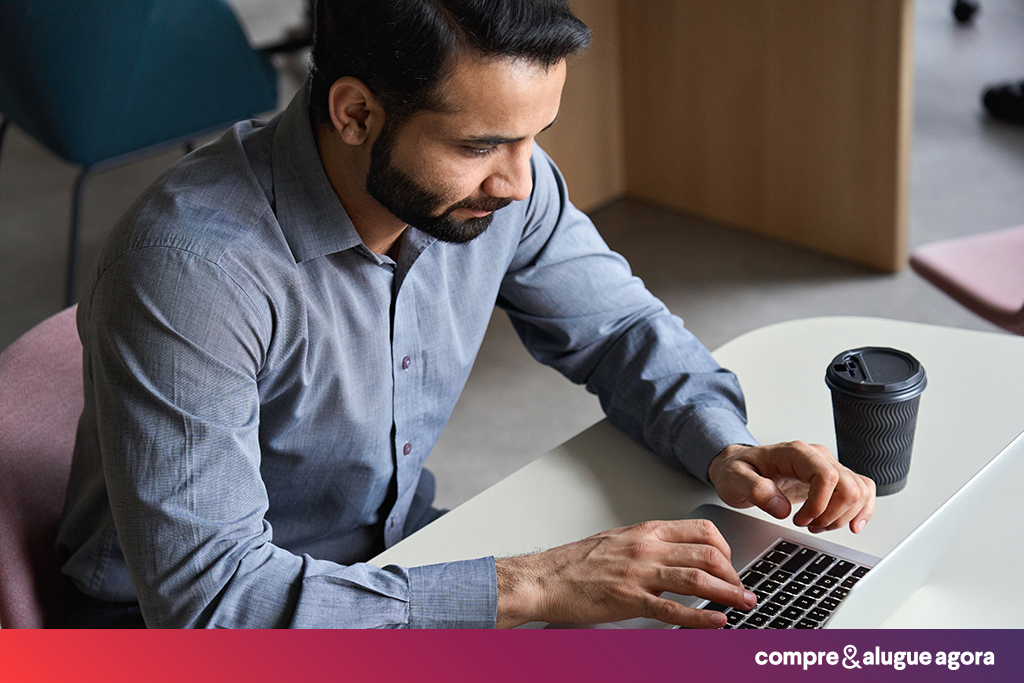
(578, 308)
(174, 382)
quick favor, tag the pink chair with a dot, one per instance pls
(40, 402)
(984, 272)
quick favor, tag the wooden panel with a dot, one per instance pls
(790, 119)
(587, 140)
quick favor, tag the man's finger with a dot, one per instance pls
(701, 557)
(864, 516)
(809, 464)
(747, 485)
(670, 612)
(683, 531)
(848, 499)
(858, 515)
(700, 584)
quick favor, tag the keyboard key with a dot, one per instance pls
(816, 592)
(828, 604)
(781, 598)
(792, 612)
(756, 620)
(860, 572)
(786, 547)
(761, 596)
(715, 607)
(841, 568)
(811, 617)
(818, 615)
(780, 623)
(820, 564)
(734, 617)
(775, 557)
(769, 608)
(849, 582)
(769, 586)
(805, 577)
(840, 593)
(826, 581)
(763, 567)
(804, 602)
(806, 623)
(751, 578)
(781, 576)
(795, 563)
(794, 587)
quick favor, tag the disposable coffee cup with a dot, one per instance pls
(875, 394)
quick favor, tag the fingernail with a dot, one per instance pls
(749, 597)
(718, 619)
(815, 529)
(777, 507)
(859, 526)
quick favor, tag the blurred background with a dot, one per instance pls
(725, 256)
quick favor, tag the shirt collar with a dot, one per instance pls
(311, 216)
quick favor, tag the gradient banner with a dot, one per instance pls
(525, 655)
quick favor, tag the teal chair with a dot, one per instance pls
(102, 82)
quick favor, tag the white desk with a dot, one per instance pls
(973, 406)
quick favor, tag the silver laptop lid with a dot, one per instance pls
(907, 566)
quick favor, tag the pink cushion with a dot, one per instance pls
(40, 403)
(984, 272)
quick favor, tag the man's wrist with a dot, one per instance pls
(518, 592)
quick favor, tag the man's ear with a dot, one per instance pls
(355, 113)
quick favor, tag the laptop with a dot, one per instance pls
(804, 581)
(839, 587)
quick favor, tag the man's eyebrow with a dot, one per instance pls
(493, 140)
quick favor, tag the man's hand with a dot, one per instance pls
(775, 477)
(620, 574)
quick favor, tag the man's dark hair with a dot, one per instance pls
(403, 50)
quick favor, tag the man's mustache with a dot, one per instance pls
(492, 204)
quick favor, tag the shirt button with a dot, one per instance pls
(406, 362)
(408, 449)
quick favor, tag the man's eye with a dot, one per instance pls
(478, 151)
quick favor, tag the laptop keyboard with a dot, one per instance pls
(796, 587)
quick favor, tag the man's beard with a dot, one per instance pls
(414, 204)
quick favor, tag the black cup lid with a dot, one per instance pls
(876, 371)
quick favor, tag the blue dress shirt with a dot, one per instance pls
(261, 390)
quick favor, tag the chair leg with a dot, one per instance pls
(3, 130)
(76, 209)
(76, 204)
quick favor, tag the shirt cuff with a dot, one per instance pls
(704, 437)
(454, 595)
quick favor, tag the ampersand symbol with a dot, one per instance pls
(849, 652)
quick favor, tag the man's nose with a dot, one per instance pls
(513, 179)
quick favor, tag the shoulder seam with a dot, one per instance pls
(189, 252)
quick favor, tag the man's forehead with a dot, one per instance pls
(474, 72)
(484, 92)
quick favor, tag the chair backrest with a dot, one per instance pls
(96, 80)
(40, 403)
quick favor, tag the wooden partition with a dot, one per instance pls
(587, 141)
(788, 118)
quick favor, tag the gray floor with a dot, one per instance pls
(968, 177)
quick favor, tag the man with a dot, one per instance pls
(281, 326)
